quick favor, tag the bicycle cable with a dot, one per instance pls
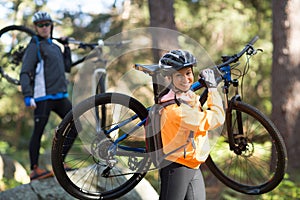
(251, 52)
(245, 71)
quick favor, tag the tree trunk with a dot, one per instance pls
(286, 76)
(162, 15)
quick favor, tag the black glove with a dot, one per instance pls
(209, 78)
(64, 40)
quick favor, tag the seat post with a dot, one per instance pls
(155, 87)
(158, 83)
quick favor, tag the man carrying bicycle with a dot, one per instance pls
(184, 121)
(44, 84)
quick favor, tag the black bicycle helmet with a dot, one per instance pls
(176, 60)
(41, 16)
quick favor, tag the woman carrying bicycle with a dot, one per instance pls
(44, 84)
(185, 120)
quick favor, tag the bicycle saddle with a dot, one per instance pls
(148, 69)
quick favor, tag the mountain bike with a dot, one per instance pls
(106, 163)
(15, 38)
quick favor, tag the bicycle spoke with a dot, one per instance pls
(249, 167)
(108, 161)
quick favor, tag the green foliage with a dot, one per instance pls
(223, 28)
(285, 191)
(153, 177)
(10, 183)
(3, 147)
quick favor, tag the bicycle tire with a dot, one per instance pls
(13, 42)
(255, 171)
(89, 155)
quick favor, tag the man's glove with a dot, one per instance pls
(29, 102)
(64, 40)
(209, 78)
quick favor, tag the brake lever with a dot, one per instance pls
(252, 51)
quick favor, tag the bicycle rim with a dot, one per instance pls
(90, 176)
(260, 163)
(13, 42)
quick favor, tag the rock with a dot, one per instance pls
(36, 190)
(49, 189)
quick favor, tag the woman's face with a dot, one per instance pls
(183, 79)
(43, 28)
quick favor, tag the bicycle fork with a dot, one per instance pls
(237, 142)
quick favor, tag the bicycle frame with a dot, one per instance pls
(224, 70)
(156, 89)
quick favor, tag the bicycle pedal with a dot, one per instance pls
(111, 163)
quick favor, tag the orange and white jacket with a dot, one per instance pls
(178, 121)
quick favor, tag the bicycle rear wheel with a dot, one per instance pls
(13, 42)
(105, 163)
(259, 161)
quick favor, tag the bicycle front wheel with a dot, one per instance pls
(106, 163)
(13, 42)
(257, 163)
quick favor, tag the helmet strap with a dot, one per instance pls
(176, 100)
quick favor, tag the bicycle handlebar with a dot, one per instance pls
(234, 58)
(254, 39)
(100, 43)
(226, 61)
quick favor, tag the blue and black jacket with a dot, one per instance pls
(55, 64)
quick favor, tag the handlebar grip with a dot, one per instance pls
(253, 40)
(197, 85)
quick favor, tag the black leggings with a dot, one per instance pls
(41, 115)
(179, 182)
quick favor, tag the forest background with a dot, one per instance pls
(220, 26)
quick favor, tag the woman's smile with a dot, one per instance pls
(183, 79)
